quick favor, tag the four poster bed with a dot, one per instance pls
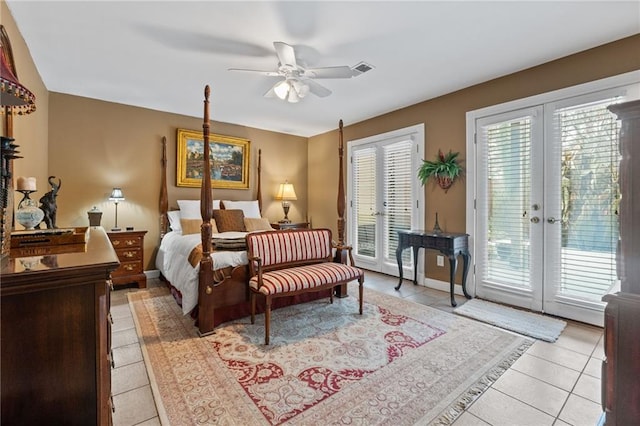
(209, 281)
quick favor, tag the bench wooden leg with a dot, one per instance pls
(361, 292)
(331, 295)
(267, 319)
(253, 307)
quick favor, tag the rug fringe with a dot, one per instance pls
(454, 410)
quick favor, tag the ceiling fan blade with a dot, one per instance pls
(317, 89)
(267, 73)
(330, 72)
(286, 54)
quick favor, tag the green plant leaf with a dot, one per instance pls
(444, 165)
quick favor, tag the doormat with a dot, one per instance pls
(522, 322)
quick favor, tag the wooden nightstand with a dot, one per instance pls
(129, 247)
(290, 225)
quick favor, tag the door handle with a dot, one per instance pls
(552, 220)
(535, 219)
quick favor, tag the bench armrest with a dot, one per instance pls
(348, 248)
(257, 269)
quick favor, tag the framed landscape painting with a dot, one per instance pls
(229, 160)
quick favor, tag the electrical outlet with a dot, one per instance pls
(440, 260)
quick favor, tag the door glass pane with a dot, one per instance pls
(507, 163)
(397, 197)
(364, 196)
(588, 135)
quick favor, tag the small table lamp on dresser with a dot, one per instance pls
(285, 194)
(116, 197)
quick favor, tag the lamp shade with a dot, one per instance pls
(282, 89)
(116, 195)
(12, 93)
(286, 192)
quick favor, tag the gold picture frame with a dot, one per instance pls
(229, 160)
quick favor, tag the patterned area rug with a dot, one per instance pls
(399, 363)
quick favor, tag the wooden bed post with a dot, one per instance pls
(341, 255)
(164, 198)
(205, 276)
(225, 288)
(259, 190)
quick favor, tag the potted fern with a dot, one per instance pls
(445, 169)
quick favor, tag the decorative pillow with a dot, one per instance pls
(190, 209)
(251, 209)
(192, 226)
(174, 220)
(229, 220)
(252, 224)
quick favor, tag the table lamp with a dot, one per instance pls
(116, 197)
(285, 194)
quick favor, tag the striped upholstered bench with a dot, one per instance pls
(284, 263)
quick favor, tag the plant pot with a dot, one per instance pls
(445, 182)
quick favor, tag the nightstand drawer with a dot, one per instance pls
(129, 246)
(128, 268)
(130, 254)
(123, 241)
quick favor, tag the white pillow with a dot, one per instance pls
(251, 209)
(190, 209)
(174, 220)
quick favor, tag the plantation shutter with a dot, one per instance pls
(398, 195)
(503, 203)
(586, 196)
(364, 194)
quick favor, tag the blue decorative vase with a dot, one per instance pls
(29, 214)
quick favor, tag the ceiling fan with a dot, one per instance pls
(298, 80)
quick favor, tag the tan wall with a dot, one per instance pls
(29, 131)
(445, 127)
(95, 146)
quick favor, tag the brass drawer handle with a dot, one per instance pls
(130, 242)
(115, 242)
(129, 267)
(129, 254)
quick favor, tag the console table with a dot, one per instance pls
(451, 245)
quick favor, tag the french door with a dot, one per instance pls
(546, 205)
(384, 196)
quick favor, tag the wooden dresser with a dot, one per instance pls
(621, 367)
(129, 247)
(56, 336)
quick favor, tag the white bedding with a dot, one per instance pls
(172, 261)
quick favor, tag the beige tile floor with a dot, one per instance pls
(551, 384)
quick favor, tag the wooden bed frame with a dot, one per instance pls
(224, 294)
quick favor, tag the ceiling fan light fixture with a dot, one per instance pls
(293, 96)
(300, 88)
(282, 89)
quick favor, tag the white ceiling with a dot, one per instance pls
(161, 54)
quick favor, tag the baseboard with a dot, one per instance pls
(442, 286)
(154, 273)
